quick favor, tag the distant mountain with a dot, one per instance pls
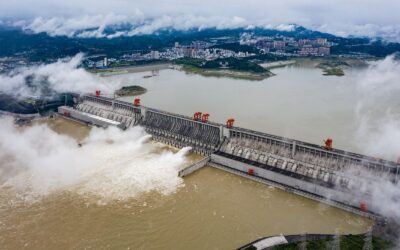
(42, 47)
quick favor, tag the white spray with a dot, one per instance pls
(65, 75)
(377, 111)
(378, 129)
(111, 165)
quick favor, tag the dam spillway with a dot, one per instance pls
(336, 177)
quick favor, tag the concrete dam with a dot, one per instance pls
(336, 177)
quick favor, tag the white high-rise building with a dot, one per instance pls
(155, 54)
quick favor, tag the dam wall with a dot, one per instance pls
(87, 118)
(335, 175)
(293, 184)
(204, 138)
(121, 112)
(172, 129)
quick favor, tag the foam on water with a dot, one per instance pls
(111, 164)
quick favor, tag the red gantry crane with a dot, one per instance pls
(328, 143)
(197, 116)
(136, 102)
(204, 117)
(229, 122)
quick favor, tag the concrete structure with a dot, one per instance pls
(336, 177)
(270, 242)
(87, 118)
(194, 167)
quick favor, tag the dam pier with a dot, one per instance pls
(336, 177)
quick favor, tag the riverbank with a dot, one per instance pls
(278, 64)
(224, 67)
(235, 74)
(332, 66)
(331, 61)
(130, 69)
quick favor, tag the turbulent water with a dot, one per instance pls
(43, 162)
(118, 190)
(65, 186)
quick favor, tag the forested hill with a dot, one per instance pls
(42, 47)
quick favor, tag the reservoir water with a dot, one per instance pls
(119, 194)
(299, 102)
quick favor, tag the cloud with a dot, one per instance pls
(95, 26)
(374, 18)
(378, 119)
(188, 22)
(390, 33)
(120, 25)
(85, 26)
(383, 195)
(65, 75)
(111, 165)
(378, 132)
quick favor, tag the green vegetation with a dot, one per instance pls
(189, 62)
(131, 90)
(228, 67)
(268, 58)
(333, 72)
(227, 73)
(235, 64)
(135, 63)
(227, 63)
(333, 63)
(377, 49)
(45, 48)
(348, 242)
(333, 67)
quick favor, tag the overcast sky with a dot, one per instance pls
(342, 17)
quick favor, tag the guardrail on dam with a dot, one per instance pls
(330, 175)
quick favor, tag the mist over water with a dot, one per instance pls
(377, 111)
(110, 165)
(378, 128)
(64, 75)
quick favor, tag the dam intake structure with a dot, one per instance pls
(336, 177)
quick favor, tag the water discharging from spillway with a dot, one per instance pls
(108, 163)
(65, 186)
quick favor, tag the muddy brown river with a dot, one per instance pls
(209, 209)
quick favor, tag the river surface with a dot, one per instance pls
(299, 102)
(209, 209)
